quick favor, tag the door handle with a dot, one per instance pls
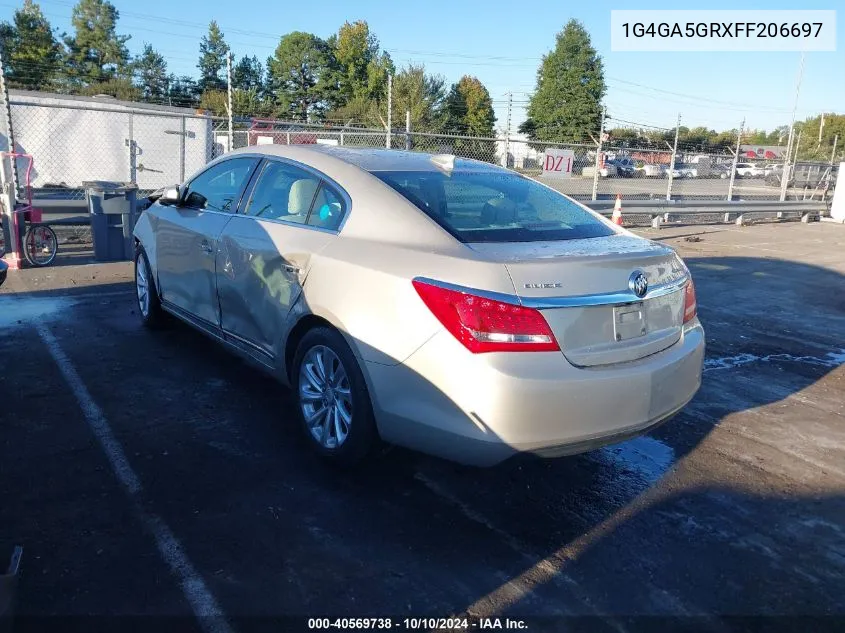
(292, 269)
(205, 247)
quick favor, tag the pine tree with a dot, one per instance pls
(212, 63)
(300, 75)
(151, 75)
(248, 74)
(32, 52)
(566, 105)
(96, 53)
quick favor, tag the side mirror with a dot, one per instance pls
(170, 196)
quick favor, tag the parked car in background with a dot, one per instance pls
(443, 304)
(804, 175)
(721, 170)
(608, 171)
(652, 171)
(625, 167)
(750, 170)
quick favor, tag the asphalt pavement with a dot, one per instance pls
(152, 477)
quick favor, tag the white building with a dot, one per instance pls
(73, 139)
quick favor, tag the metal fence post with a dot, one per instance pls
(8, 174)
(735, 161)
(672, 162)
(133, 168)
(389, 109)
(183, 133)
(508, 131)
(784, 178)
(407, 129)
(229, 102)
(598, 155)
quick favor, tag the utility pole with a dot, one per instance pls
(508, 129)
(672, 163)
(598, 154)
(821, 127)
(736, 160)
(833, 153)
(784, 179)
(229, 90)
(389, 110)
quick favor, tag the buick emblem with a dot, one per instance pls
(638, 283)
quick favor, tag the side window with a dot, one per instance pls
(217, 188)
(283, 192)
(328, 210)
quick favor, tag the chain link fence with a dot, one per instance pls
(77, 139)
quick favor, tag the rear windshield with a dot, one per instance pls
(492, 206)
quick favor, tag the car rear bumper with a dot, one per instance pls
(481, 409)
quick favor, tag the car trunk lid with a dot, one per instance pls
(582, 288)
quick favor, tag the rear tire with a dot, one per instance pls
(146, 293)
(332, 401)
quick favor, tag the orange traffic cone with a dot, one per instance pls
(616, 218)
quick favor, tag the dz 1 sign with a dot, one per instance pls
(557, 163)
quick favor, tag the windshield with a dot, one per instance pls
(495, 206)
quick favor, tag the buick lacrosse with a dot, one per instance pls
(442, 304)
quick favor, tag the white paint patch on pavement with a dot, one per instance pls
(203, 603)
(831, 359)
(645, 457)
(15, 310)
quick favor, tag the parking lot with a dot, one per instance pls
(153, 474)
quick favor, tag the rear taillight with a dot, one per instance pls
(689, 302)
(486, 325)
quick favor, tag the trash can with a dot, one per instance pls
(113, 210)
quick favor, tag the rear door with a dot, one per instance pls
(187, 237)
(291, 214)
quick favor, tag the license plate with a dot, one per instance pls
(629, 321)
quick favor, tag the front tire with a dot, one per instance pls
(333, 403)
(146, 293)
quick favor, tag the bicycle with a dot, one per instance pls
(40, 244)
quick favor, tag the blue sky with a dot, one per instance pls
(502, 42)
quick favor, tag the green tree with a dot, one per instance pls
(362, 68)
(212, 63)
(423, 95)
(815, 146)
(248, 74)
(566, 104)
(183, 91)
(151, 75)
(32, 51)
(301, 76)
(118, 87)
(96, 53)
(468, 110)
(244, 102)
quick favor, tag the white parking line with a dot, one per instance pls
(208, 613)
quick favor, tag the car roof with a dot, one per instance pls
(367, 158)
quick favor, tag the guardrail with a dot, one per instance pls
(660, 212)
(740, 212)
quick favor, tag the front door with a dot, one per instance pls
(188, 237)
(266, 251)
